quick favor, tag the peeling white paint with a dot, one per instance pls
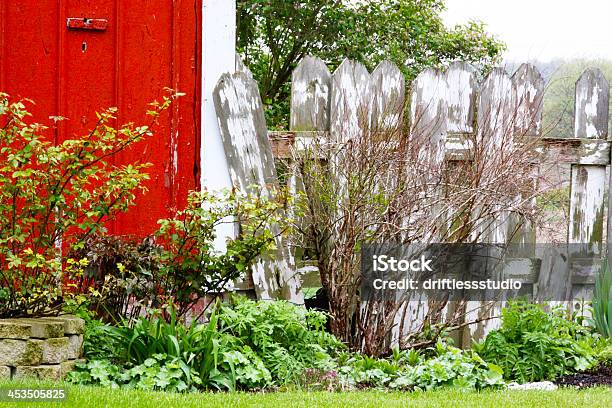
(429, 112)
(388, 101)
(241, 105)
(310, 93)
(591, 107)
(496, 109)
(588, 101)
(529, 86)
(460, 81)
(586, 204)
(251, 163)
(351, 101)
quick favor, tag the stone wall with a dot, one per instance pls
(43, 348)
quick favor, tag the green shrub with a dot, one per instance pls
(54, 195)
(288, 338)
(201, 351)
(220, 354)
(252, 345)
(533, 345)
(179, 262)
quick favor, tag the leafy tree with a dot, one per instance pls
(273, 35)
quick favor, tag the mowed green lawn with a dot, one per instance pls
(103, 397)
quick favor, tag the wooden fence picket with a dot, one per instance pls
(251, 163)
(388, 99)
(310, 100)
(461, 98)
(428, 112)
(588, 181)
(529, 85)
(461, 85)
(591, 105)
(586, 218)
(310, 96)
(496, 108)
(427, 130)
(351, 101)
(350, 114)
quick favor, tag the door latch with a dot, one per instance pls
(79, 23)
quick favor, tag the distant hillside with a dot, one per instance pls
(561, 77)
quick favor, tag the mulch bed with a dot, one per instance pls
(601, 376)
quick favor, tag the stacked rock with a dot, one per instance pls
(45, 348)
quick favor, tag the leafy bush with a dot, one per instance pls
(602, 302)
(52, 196)
(253, 345)
(260, 344)
(411, 370)
(208, 357)
(190, 268)
(179, 262)
(288, 338)
(121, 269)
(533, 345)
(217, 355)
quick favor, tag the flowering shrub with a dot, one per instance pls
(54, 196)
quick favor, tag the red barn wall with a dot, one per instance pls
(147, 45)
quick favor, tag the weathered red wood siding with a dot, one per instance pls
(147, 45)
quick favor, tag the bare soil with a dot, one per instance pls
(601, 376)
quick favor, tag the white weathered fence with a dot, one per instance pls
(447, 107)
(251, 163)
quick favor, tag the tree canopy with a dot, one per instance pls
(273, 35)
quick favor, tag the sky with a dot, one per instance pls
(542, 29)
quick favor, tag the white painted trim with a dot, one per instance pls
(218, 57)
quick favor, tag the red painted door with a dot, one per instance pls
(145, 46)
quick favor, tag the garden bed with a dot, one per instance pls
(601, 376)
